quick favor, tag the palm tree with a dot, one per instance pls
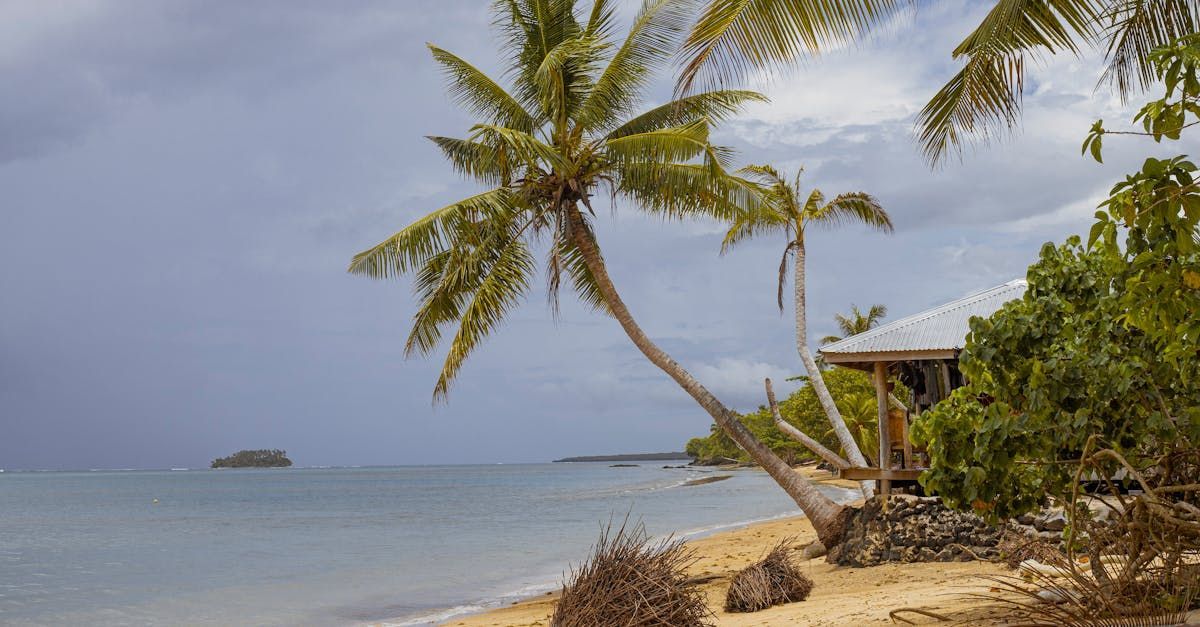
(857, 322)
(984, 97)
(564, 133)
(788, 212)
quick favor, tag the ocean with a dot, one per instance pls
(408, 545)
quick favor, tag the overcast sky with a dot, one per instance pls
(183, 183)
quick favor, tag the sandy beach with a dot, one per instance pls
(841, 596)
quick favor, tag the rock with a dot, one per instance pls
(1051, 521)
(814, 550)
(913, 529)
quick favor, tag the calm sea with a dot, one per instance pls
(401, 545)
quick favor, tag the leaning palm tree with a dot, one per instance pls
(857, 322)
(984, 98)
(789, 212)
(564, 133)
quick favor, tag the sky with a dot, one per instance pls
(182, 184)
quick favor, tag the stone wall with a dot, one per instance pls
(914, 529)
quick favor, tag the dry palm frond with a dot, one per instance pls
(632, 581)
(772, 581)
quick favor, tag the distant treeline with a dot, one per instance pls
(633, 457)
(263, 458)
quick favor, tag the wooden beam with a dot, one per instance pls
(875, 474)
(885, 444)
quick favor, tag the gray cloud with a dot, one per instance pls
(184, 184)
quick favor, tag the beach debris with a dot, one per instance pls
(774, 580)
(632, 581)
(896, 617)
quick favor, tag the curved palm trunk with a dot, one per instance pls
(828, 518)
(853, 454)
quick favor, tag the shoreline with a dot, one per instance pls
(841, 596)
(536, 591)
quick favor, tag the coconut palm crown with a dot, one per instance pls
(565, 131)
(857, 322)
(787, 211)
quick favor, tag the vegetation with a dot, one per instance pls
(629, 580)
(262, 458)
(855, 397)
(563, 133)
(1103, 352)
(789, 212)
(857, 322)
(732, 37)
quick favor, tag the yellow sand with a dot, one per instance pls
(841, 596)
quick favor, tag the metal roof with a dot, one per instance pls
(938, 333)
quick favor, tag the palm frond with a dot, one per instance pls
(1136, 27)
(672, 144)
(504, 283)
(531, 151)
(567, 258)
(712, 105)
(562, 79)
(488, 164)
(480, 95)
(732, 37)
(984, 97)
(418, 242)
(683, 190)
(651, 41)
(857, 207)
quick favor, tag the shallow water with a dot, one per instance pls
(405, 545)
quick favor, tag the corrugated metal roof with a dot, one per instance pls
(941, 328)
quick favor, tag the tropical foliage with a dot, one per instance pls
(1103, 350)
(855, 397)
(262, 458)
(983, 98)
(857, 322)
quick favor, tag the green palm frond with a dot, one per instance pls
(488, 164)
(684, 190)
(503, 284)
(653, 37)
(668, 145)
(566, 258)
(416, 243)
(731, 37)
(1136, 27)
(984, 97)
(714, 106)
(858, 207)
(531, 151)
(480, 95)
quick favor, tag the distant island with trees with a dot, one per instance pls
(262, 458)
(632, 457)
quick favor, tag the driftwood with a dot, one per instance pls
(791, 431)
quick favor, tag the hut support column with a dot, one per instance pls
(885, 445)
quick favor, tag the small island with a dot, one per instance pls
(263, 458)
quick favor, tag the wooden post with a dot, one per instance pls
(885, 444)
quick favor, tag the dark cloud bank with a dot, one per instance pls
(184, 183)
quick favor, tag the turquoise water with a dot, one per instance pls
(400, 545)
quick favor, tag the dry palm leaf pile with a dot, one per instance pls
(632, 581)
(772, 581)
